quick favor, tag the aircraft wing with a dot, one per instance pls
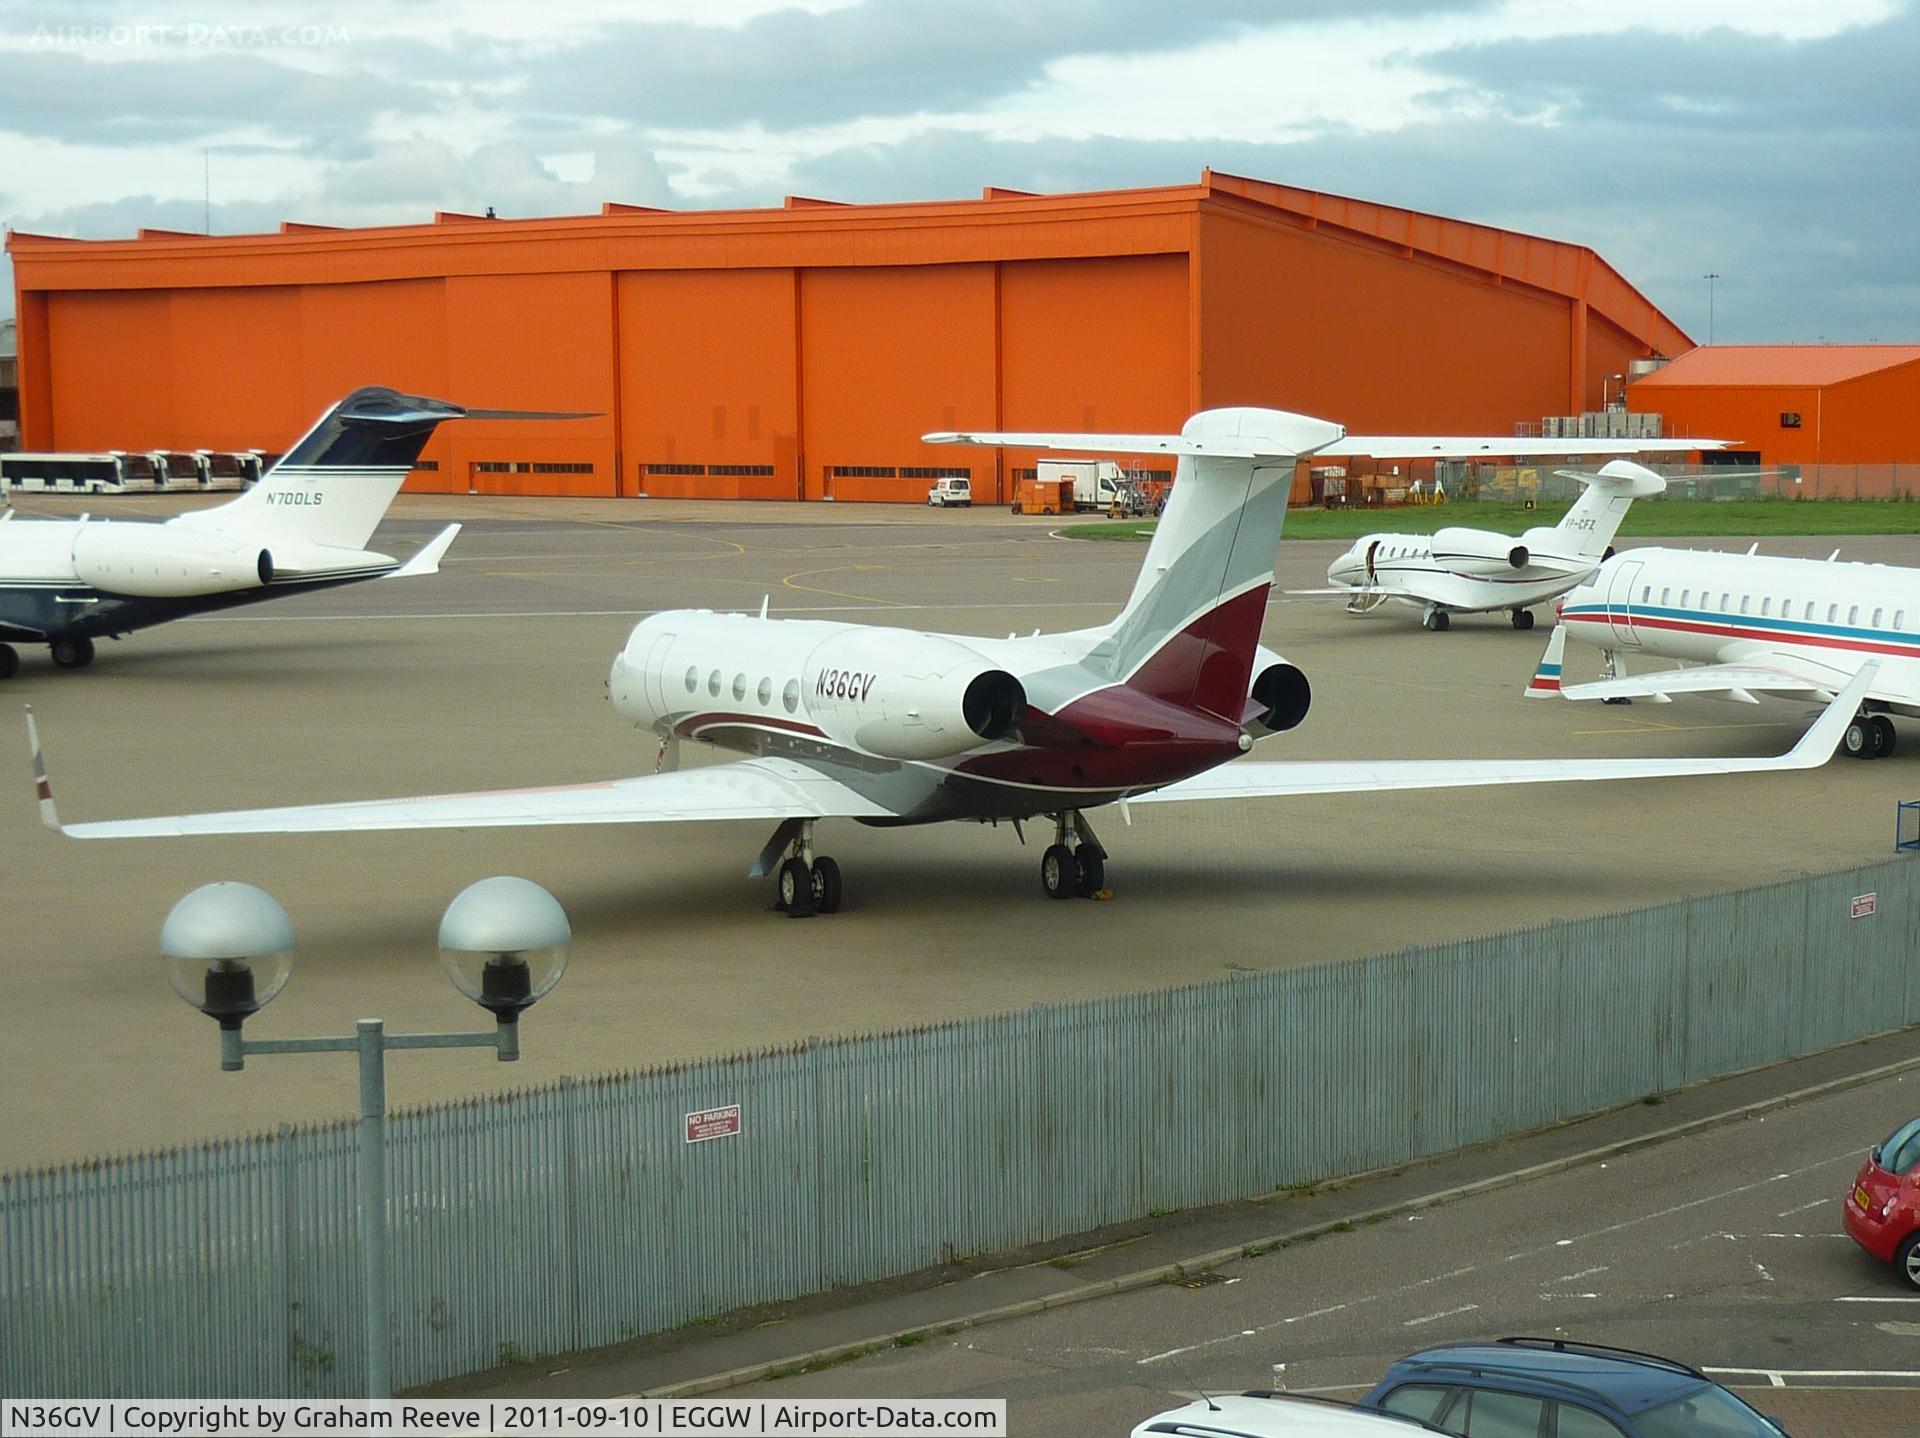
(1445, 446)
(427, 559)
(1764, 674)
(747, 789)
(1243, 779)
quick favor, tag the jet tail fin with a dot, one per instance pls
(335, 484)
(1589, 527)
(1546, 679)
(1188, 633)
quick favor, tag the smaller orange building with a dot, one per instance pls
(1794, 404)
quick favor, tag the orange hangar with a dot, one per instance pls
(800, 352)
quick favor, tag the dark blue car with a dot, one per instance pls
(1556, 1388)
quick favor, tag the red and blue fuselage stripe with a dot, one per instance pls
(1746, 626)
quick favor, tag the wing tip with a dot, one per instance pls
(1822, 739)
(42, 786)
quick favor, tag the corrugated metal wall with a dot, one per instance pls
(577, 1215)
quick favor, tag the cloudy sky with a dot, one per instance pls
(1775, 143)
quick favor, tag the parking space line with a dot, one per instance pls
(1777, 1377)
(1817, 1203)
(1890, 1298)
(1436, 1317)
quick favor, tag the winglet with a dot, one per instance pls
(43, 790)
(1822, 738)
(427, 561)
(1546, 679)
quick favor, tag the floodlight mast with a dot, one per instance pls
(504, 944)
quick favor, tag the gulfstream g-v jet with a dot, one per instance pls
(67, 582)
(894, 726)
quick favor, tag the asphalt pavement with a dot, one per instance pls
(1705, 1227)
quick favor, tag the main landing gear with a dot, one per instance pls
(1869, 736)
(1436, 619)
(1074, 864)
(1523, 619)
(71, 652)
(804, 884)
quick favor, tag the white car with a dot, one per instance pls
(1275, 1415)
(951, 490)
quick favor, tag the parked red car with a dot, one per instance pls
(1882, 1211)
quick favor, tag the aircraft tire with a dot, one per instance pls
(9, 661)
(1090, 873)
(1439, 621)
(72, 652)
(1059, 874)
(795, 886)
(1857, 742)
(826, 885)
(1523, 619)
(1885, 736)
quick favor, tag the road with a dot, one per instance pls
(1724, 1249)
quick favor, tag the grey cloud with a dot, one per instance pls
(66, 96)
(1858, 80)
(1839, 269)
(791, 68)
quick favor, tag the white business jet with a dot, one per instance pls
(1459, 570)
(67, 582)
(1744, 625)
(894, 726)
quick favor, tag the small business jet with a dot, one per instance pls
(894, 726)
(1458, 570)
(1743, 625)
(67, 582)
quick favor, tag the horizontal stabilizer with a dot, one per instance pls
(1619, 476)
(1429, 446)
(1242, 433)
(529, 414)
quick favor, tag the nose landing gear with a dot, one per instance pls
(1074, 864)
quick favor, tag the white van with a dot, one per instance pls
(951, 490)
(1275, 1415)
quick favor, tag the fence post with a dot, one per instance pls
(571, 1201)
(814, 1045)
(283, 1318)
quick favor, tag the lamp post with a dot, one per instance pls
(1710, 276)
(229, 950)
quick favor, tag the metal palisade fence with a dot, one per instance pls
(582, 1214)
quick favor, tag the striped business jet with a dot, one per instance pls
(66, 582)
(1746, 625)
(889, 726)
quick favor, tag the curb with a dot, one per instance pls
(1147, 1277)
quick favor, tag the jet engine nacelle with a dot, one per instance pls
(1279, 691)
(1476, 547)
(151, 561)
(903, 695)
